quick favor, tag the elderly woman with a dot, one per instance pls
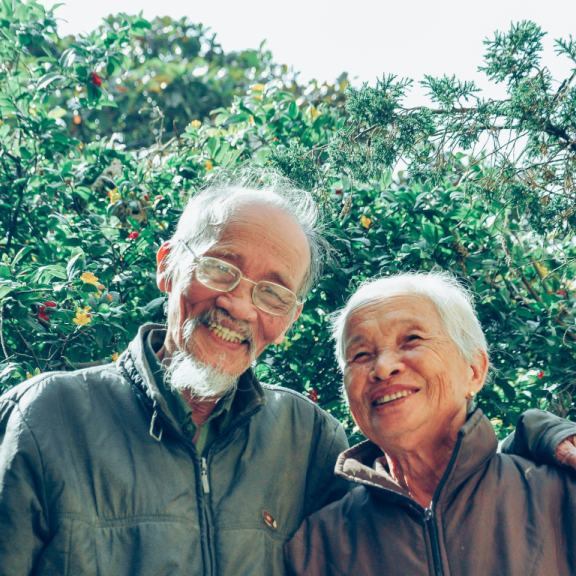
(433, 496)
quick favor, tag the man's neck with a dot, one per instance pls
(201, 409)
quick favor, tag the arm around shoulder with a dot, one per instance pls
(537, 436)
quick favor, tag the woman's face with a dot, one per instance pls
(405, 379)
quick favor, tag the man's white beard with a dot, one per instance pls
(202, 380)
(186, 372)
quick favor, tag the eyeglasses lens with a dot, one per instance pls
(218, 275)
(273, 298)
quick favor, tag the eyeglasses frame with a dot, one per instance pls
(198, 260)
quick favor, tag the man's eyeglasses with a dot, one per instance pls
(224, 277)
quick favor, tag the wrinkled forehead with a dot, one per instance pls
(260, 234)
(396, 309)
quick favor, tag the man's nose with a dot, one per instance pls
(388, 363)
(238, 302)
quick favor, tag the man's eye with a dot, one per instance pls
(359, 355)
(413, 337)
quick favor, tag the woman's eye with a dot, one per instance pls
(413, 337)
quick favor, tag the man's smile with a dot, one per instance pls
(225, 333)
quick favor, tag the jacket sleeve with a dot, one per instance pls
(537, 436)
(24, 526)
(327, 487)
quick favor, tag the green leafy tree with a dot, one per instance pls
(83, 217)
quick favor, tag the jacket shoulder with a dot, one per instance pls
(278, 396)
(57, 386)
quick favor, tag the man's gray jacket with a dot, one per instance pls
(95, 477)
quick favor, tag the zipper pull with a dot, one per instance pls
(428, 514)
(205, 484)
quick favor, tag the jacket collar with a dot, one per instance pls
(476, 444)
(133, 363)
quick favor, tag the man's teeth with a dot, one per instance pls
(391, 397)
(225, 333)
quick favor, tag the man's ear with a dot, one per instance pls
(163, 285)
(479, 371)
(297, 313)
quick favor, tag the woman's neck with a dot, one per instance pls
(419, 468)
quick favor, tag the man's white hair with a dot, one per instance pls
(454, 303)
(208, 211)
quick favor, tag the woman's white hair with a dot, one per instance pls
(208, 211)
(454, 303)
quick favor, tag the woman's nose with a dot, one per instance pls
(238, 302)
(387, 364)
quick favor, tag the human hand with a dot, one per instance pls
(566, 452)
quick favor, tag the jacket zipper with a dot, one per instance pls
(205, 483)
(206, 490)
(430, 519)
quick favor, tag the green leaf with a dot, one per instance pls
(236, 119)
(47, 79)
(20, 255)
(76, 266)
(67, 58)
(56, 113)
(212, 146)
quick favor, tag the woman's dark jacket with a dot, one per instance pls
(492, 514)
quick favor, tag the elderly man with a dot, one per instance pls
(175, 460)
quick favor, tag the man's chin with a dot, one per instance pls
(202, 380)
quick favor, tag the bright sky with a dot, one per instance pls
(366, 38)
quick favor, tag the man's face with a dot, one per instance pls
(265, 244)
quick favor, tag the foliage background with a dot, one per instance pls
(104, 137)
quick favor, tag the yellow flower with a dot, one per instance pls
(34, 259)
(28, 375)
(114, 196)
(195, 123)
(89, 278)
(258, 88)
(209, 165)
(114, 357)
(365, 221)
(82, 316)
(313, 112)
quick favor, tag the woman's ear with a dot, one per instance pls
(161, 281)
(479, 371)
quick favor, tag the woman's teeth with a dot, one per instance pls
(225, 333)
(391, 397)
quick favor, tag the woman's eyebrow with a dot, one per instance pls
(355, 340)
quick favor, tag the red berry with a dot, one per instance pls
(133, 235)
(541, 375)
(338, 191)
(561, 293)
(312, 395)
(95, 79)
(50, 304)
(146, 197)
(43, 314)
